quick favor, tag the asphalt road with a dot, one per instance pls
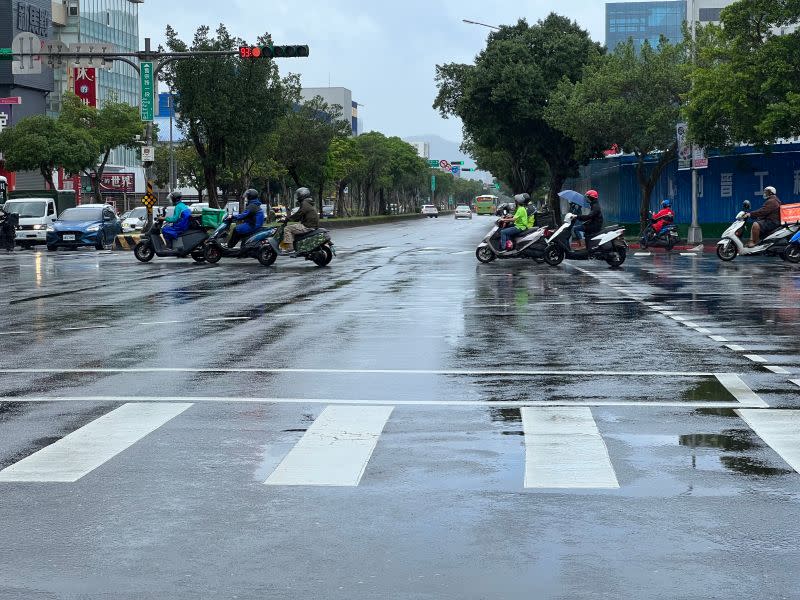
(406, 423)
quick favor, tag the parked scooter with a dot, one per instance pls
(775, 244)
(792, 252)
(315, 246)
(189, 243)
(608, 245)
(216, 248)
(667, 237)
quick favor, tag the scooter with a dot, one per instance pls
(792, 252)
(775, 244)
(8, 230)
(215, 248)
(667, 237)
(316, 246)
(189, 243)
(608, 245)
(531, 243)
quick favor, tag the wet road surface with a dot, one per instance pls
(406, 423)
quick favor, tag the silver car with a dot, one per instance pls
(463, 212)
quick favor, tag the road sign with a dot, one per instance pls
(455, 170)
(148, 153)
(146, 72)
(26, 43)
(444, 165)
(433, 183)
(457, 162)
(433, 163)
(497, 185)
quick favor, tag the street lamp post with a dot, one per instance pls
(481, 24)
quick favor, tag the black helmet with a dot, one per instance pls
(251, 194)
(522, 199)
(746, 205)
(175, 197)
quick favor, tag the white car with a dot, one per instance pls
(430, 210)
(197, 207)
(463, 212)
(135, 220)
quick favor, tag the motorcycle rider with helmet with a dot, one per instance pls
(664, 217)
(520, 220)
(179, 221)
(304, 220)
(768, 217)
(593, 220)
(249, 221)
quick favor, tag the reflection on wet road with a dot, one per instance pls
(405, 423)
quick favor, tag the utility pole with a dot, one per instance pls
(695, 233)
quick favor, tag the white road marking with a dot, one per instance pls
(780, 429)
(778, 370)
(740, 390)
(336, 448)
(755, 358)
(564, 449)
(718, 338)
(737, 348)
(357, 371)
(369, 402)
(229, 319)
(15, 333)
(703, 330)
(85, 449)
(692, 254)
(162, 323)
(84, 328)
(795, 381)
(690, 324)
(643, 254)
(678, 318)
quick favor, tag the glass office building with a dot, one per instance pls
(642, 21)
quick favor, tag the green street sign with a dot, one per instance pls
(433, 164)
(433, 183)
(148, 90)
(6, 54)
(497, 186)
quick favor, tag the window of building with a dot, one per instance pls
(710, 14)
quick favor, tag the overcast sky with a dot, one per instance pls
(385, 52)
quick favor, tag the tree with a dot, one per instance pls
(114, 125)
(226, 105)
(343, 162)
(41, 143)
(746, 85)
(188, 168)
(631, 100)
(501, 98)
(304, 139)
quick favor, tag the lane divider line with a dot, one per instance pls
(780, 430)
(740, 390)
(755, 358)
(718, 338)
(354, 371)
(778, 370)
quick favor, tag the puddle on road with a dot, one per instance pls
(736, 442)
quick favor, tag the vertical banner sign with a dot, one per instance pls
(433, 183)
(699, 158)
(148, 90)
(85, 82)
(684, 149)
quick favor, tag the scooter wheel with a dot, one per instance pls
(484, 254)
(266, 255)
(144, 252)
(615, 259)
(554, 255)
(212, 254)
(792, 254)
(198, 256)
(727, 251)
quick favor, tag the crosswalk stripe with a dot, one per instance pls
(564, 449)
(740, 390)
(85, 449)
(780, 429)
(335, 450)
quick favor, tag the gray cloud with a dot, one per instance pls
(385, 52)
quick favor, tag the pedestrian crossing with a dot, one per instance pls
(564, 448)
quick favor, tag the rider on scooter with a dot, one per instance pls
(179, 221)
(664, 217)
(249, 221)
(768, 217)
(520, 220)
(593, 221)
(304, 220)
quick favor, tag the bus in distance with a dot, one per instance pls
(485, 205)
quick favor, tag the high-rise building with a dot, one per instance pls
(644, 21)
(337, 96)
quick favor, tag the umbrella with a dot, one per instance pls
(573, 196)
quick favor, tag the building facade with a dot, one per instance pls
(644, 21)
(337, 96)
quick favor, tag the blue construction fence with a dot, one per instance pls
(729, 179)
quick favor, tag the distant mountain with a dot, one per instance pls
(450, 151)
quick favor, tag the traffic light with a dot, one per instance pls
(297, 51)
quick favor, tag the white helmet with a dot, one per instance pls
(769, 191)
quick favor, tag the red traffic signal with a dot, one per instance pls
(295, 51)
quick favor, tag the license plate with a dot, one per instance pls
(69, 238)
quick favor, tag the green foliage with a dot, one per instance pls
(628, 99)
(227, 106)
(115, 124)
(746, 85)
(41, 143)
(501, 99)
(188, 168)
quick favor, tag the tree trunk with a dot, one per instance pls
(648, 181)
(210, 174)
(47, 174)
(556, 182)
